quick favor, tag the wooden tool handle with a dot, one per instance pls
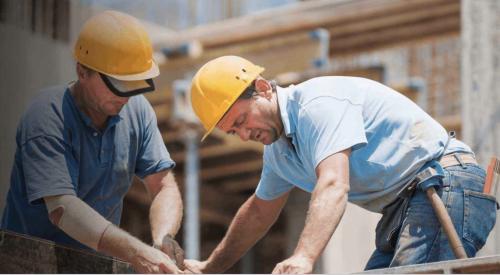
(446, 223)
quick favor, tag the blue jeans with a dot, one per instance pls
(421, 239)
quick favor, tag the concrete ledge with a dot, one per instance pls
(24, 254)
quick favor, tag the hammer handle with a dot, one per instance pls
(446, 223)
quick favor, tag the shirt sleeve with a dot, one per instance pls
(153, 156)
(47, 168)
(271, 185)
(329, 125)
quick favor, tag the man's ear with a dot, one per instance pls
(82, 72)
(263, 88)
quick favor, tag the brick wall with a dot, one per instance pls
(434, 60)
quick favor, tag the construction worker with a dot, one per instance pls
(80, 145)
(341, 139)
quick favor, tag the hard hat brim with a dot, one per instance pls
(153, 72)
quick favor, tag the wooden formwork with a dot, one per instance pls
(24, 254)
(489, 264)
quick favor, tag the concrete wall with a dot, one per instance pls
(481, 87)
(29, 63)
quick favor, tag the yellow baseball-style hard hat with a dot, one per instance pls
(217, 85)
(116, 45)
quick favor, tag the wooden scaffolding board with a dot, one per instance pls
(24, 254)
(489, 264)
(353, 25)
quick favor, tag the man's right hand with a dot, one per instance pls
(151, 260)
(142, 257)
(173, 250)
(194, 266)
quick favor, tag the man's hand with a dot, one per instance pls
(195, 267)
(150, 260)
(294, 265)
(142, 257)
(170, 247)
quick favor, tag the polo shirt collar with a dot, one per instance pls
(284, 96)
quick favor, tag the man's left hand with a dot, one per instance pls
(294, 265)
(170, 247)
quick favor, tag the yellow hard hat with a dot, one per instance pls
(217, 85)
(115, 44)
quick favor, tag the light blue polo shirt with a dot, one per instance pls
(390, 138)
(60, 152)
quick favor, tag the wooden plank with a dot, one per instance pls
(490, 264)
(214, 216)
(237, 186)
(221, 141)
(304, 16)
(220, 150)
(300, 52)
(390, 20)
(212, 197)
(368, 41)
(24, 254)
(358, 26)
(209, 196)
(231, 169)
(236, 141)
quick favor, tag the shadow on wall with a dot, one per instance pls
(30, 62)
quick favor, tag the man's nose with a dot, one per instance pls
(244, 134)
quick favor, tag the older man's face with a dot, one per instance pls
(102, 99)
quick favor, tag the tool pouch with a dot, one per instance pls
(388, 227)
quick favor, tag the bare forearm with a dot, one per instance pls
(326, 207)
(248, 226)
(118, 243)
(325, 212)
(239, 239)
(166, 213)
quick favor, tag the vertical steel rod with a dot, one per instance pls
(192, 201)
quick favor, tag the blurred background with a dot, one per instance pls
(443, 54)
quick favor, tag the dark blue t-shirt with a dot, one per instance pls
(60, 152)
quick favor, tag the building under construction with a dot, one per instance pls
(442, 54)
